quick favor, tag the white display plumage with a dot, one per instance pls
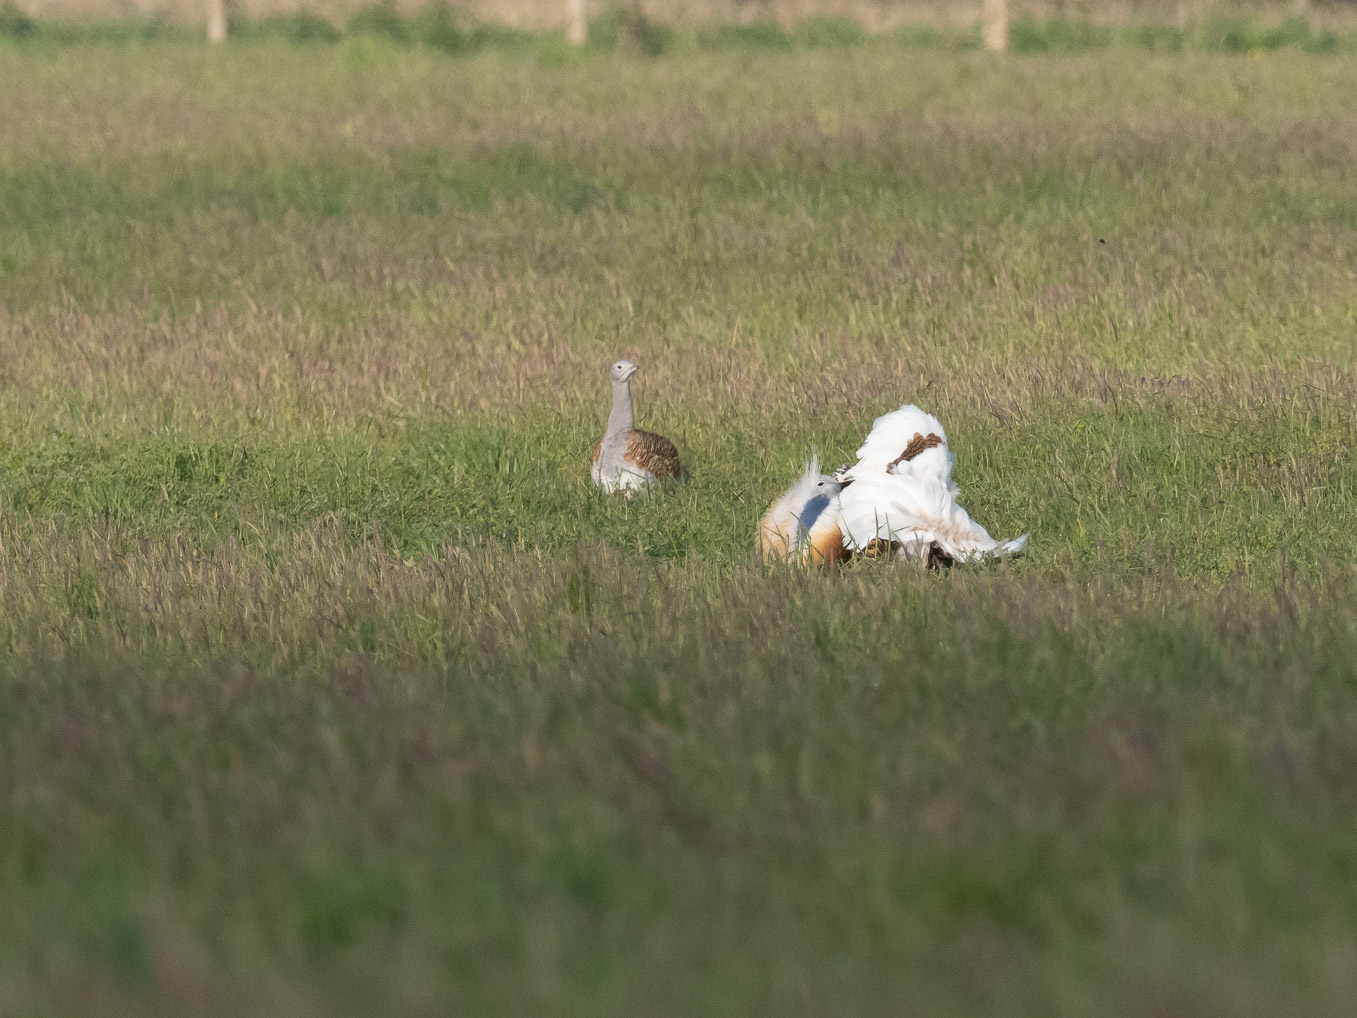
(900, 492)
(891, 434)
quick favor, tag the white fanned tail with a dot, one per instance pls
(916, 516)
(900, 491)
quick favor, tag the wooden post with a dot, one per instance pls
(995, 27)
(576, 30)
(216, 20)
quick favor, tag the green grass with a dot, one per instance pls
(328, 684)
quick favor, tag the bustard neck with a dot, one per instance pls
(620, 420)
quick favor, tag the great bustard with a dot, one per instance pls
(628, 460)
(898, 499)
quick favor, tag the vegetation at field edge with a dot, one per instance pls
(441, 27)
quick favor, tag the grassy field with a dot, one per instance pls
(328, 685)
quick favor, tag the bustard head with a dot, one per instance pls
(828, 484)
(622, 371)
(819, 499)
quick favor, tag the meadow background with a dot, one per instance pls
(328, 684)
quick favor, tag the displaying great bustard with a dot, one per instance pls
(898, 499)
(628, 460)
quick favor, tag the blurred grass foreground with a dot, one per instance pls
(328, 685)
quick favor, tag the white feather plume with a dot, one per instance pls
(911, 502)
(890, 434)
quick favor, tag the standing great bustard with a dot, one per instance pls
(628, 460)
(899, 499)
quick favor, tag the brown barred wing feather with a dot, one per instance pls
(917, 444)
(654, 454)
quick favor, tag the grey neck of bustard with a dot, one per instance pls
(619, 420)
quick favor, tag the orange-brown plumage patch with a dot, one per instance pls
(777, 537)
(880, 548)
(823, 547)
(598, 451)
(654, 454)
(916, 445)
(826, 546)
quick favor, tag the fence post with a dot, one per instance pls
(216, 20)
(576, 30)
(995, 28)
